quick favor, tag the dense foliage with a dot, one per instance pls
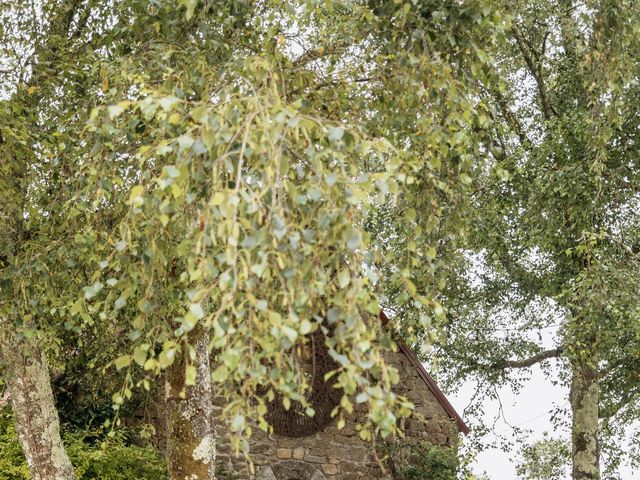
(256, 175)
(235, 175)
(422, 461)
(184, 173)
(13, 465)
(94, 455)
(218, 166)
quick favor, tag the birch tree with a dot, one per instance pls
(200, 178)
(554, 244)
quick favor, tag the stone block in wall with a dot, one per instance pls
(284, 453)
(259, 435)
(315, 459)
(342, 440)
(262, 459)
(298, 453)
(438, 439)
(433, 426)
(330, 469)
(262, 448)
(349, 476)
(415, 425)
(336, 452)
(359, 454)
(425, 411)
(284, 442)
(315, 451)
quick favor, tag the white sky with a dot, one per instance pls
(530, 408)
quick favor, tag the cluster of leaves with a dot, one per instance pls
(224, 235)
(446, 125)
(421, 461)
(83, 384)
(249, 208)
(13, 465)
(113, 459)
(94, 455)
(546, 459)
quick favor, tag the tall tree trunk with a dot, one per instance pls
(584, 397)
(26, 374)
(24, 363)
(191, 446)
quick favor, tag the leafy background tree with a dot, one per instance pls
(553, 244)
(188, 189)
(545, 459)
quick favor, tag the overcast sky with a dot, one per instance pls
(530, 408)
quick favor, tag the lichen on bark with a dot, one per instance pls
(26, 372)
(190, 431)
(584, 397)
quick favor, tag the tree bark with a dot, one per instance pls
(24, 362)
(584, 398)
(26, 373)
(191, 440)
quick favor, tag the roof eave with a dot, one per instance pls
(431, 383)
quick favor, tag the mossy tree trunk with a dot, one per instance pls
(24, 362)
(188, 412)
(584, 397)
(26, 373)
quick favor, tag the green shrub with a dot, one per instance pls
(112, 458)
(94, 455)
(13, 465)
(422, 461)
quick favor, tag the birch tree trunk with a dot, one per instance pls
(26, 373)
(191, 447)
(584, 397)
(24, 362)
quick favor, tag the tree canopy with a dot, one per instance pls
(184, 172)
(554, 243)
(189, 189)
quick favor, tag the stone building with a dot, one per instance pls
(303, 448)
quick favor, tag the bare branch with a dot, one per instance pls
(528, 362)
(511, 118)
(318, 53)
(508, 115)
(536, 70)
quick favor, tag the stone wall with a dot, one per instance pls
(340, 454)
